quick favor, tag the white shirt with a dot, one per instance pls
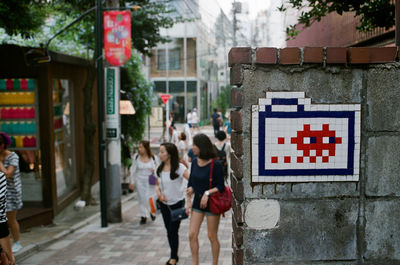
(173, 190)
(181, 146)
(141, 170)
(189, 117)
(195, 118)
(175, 138)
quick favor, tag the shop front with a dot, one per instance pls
(41, 106)
(177, 100)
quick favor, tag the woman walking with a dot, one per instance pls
(9, 165)
(171, 193)
(5, 242)
(199, 185)
(144, 165)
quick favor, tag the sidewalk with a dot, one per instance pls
(127, 242)
(68, 221)
(76, 237)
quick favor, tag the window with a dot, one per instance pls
(64, 146)
(174, 59)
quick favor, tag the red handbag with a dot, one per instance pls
(3, 258)
(219, 202)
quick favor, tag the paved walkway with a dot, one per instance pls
(129, 243)
(76, 237)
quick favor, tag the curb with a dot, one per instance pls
(34, 248)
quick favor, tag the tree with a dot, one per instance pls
(223, 101)
(21, 16)
(139, 91)
(146, 23)
(372, 14)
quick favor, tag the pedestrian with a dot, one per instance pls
(171, 124)
(182, 146)
(227, 126)
(175, 137)
(144, 164)
(4, 232)
(189, 119)
(189, 137)
(171, 193)
(9, 165)
(195, 120)
(199, 186)
(223, 150)
(215, 120)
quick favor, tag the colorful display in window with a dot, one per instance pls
(18, 112)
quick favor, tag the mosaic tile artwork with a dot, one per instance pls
(296, 141)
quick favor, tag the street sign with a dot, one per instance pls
(112, 102)
(117, 36)
(165, 97)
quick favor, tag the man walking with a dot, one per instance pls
(215, 120)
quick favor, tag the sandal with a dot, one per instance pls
(168, 262)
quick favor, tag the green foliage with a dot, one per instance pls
(139, 92)
(372, 14)
(223, 101)
(22, 16)
(146, 24)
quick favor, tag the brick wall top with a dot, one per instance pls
(319, 55)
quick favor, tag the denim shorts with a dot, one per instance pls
(204, 212)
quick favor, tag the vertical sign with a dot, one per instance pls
(117, 36)
(112, 102)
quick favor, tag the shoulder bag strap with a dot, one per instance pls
(211, 171)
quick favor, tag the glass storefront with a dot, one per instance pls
(177, 102)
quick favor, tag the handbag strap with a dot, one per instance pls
(211, 170)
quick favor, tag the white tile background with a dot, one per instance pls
(288, 127)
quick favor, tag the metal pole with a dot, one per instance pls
(100, 99)
(397, 30)
(234, 23)
(185, 65)
(167, 86)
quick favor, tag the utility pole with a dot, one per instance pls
(166, 87)
(113, 143)
(185, 63)
(234, 10)
(397, 30)
(100, 99)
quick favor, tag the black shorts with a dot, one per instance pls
(4, 232)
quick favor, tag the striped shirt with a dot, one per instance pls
(3, 194)
(14, 186)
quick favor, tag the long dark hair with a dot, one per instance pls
(174, 159)
(146, 145)
(5, 139)
(207, 150)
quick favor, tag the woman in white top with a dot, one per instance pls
(144, 164)
(171, 193)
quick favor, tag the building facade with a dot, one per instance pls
(340, 31)
(192, 67)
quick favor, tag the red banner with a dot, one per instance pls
(117, 36)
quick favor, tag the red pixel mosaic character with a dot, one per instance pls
(308, 140)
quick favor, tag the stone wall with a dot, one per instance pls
(353, 222)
